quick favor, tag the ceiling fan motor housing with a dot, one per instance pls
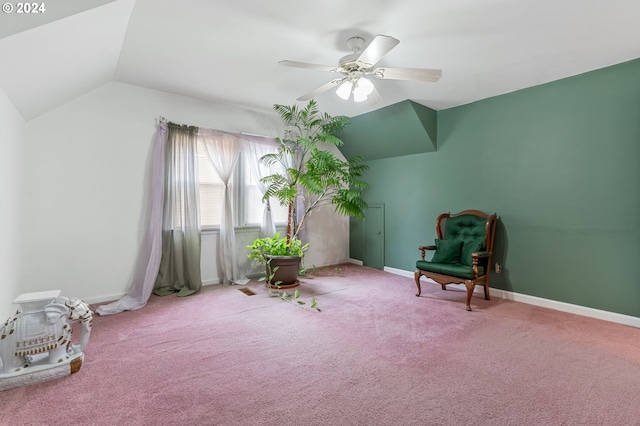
(355, 44)
(349, 62)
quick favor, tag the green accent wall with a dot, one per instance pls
(559, 163)
(403, 128)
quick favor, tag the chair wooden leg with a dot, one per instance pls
(470, 285)
(487, 296)
(417, 277)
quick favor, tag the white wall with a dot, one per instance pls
(86, 176)
(11, 133)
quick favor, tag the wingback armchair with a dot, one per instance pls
(463, 252)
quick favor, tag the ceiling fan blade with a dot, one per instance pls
(420, 74)
(296, 64)
(319, 90)
(379, 46)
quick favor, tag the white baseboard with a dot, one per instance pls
(355, 261)
(539, 301)
(568, 307)
(395, 271)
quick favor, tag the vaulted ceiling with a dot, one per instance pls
(228, 51)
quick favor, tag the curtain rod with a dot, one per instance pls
(162, 119)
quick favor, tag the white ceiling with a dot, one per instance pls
(227, 51)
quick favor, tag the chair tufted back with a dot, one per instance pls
(466, 228)
(473, 228)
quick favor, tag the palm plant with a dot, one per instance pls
(310, 176)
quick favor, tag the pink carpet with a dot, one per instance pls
(375, 355)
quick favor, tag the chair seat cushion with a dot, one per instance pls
(452, 269)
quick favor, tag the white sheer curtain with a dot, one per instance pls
(150, 254)
(254, 151)
(223, 150)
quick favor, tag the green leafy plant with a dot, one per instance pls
(309, 175)
(263, 248)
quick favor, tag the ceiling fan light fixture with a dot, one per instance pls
(364, 86)
(344, 91)
(362, 89)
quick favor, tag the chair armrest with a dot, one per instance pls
(481, 254)
(423, 249)
(475, 257)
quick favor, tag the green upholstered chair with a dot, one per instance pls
(463, 252)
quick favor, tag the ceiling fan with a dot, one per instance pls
(356, 66)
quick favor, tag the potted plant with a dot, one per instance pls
(308, 175)
(281, 258)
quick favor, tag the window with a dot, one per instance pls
(211, 191)
(246, 196)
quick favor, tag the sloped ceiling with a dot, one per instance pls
(45, 12)
(404, 128)
(227, 51)
(51, 64)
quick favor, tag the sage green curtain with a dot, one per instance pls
(180, 265)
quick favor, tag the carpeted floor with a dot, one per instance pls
(375, 355)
